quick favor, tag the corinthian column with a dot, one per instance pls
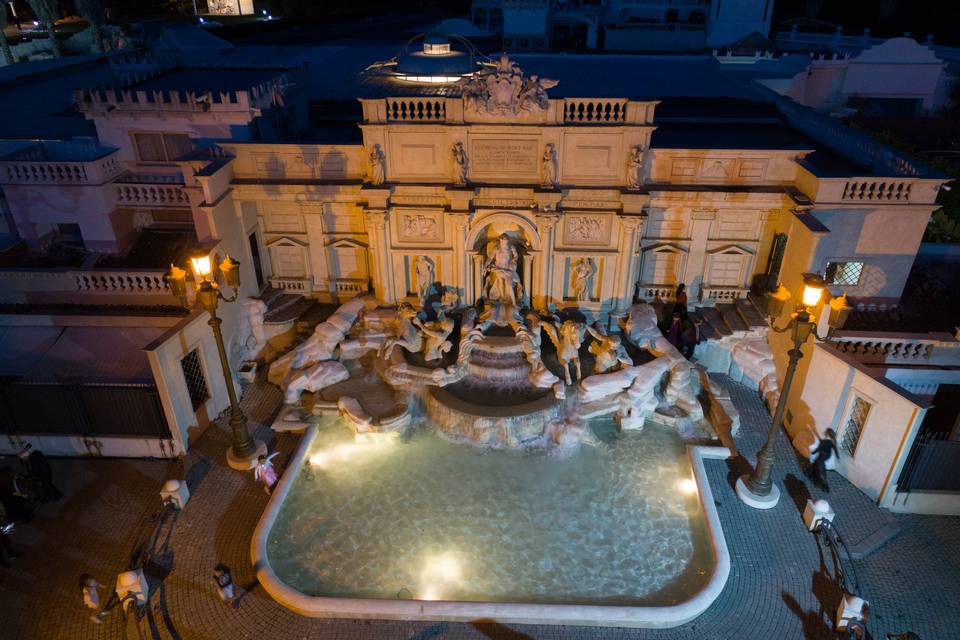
(542, 295)
(376, 221)
(627, 265)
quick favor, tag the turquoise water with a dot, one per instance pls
(423, 518)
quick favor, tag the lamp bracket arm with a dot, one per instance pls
(230, 298)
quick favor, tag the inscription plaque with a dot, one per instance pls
(504, 156)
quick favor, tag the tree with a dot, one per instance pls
(92, 12)
(7, 54)
(47, 12)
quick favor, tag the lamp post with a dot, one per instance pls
(244, 450)
(758, 489)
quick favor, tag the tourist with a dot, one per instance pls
(221, 575)
(14, 501)
(88, 589)
(817, 471)
(36, 464)
(691, 337)
(265, 473)
(673, 330)
(681, 296)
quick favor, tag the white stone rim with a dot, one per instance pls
(504, 612)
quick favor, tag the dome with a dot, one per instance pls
(437, 62)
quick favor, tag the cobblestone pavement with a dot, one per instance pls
(778, 586)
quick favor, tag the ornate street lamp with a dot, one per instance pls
(244, 451)
(758, 489)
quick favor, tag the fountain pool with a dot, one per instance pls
(424, 528)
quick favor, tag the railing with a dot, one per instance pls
(931, 464)
(350, 288)
(123, 282)
(794, 39)
(657, 291)
(294, 285)
(876, 348)
(18, 286)
(416, 109)
(152, 195)
(61, 172)
(725, 294)
(876, 190)
(594, 110)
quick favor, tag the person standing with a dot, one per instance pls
(224, 581)
(673, 330)
(817, 471)
(89, 590)
(265, 473)
(691, 337)
(681, 295)
(36, 464)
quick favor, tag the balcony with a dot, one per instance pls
(60, 163)
(151, 190)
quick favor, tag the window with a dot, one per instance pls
(726, 270)
(844, 273)
(161, 147)
(851, 432)
(196, 382)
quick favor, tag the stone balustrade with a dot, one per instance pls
(654, 291)
(878, 348)
(152, 195)
(292, 285)
(76, 286)
(877, 190)
(36, 168)
(416, 109)
(594, 110)
(350, 287)
(724, 294)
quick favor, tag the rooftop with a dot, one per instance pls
(204, 79)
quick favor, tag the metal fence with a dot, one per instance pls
(51, 408)
(932, 465)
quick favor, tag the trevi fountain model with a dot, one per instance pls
(492, 462)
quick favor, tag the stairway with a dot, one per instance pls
(723, 319)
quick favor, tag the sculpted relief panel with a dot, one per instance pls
(331, 164)
(419, 226)
(586, 230)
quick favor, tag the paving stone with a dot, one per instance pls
(778, 585)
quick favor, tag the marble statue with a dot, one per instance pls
(634, 164)
(408, 335)
(377, 161)
(425, 278)
(580, 273)
(501, 283)
(436, 333)
(533, 95)
(567, 338)
(549, 166)
(608, 351)
(459, 163)
(254, 310)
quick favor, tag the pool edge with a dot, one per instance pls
(503, 612)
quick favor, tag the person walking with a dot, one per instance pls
(691, 337)
(224, 581)
(89, 590)
(265, 473)
(817, 470)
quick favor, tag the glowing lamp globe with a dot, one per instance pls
(230, 269)
(813, 286)
(201, 265)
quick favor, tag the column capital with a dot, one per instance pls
(630, 223)
(376, 218)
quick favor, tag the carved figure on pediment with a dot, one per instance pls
(459, 163)
(549, 166)
(501, 282)
(533, 95)
(716, 169)
(425, 277)
(503, 91)
(634, 166)
(377, 161)
(580, 273)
